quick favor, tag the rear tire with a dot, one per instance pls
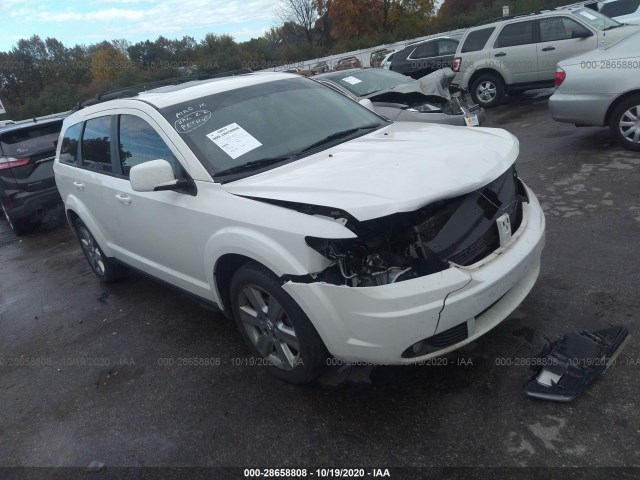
(107, 270)
(274, 326)
(19, 226)
(487, 90)
(625, 123)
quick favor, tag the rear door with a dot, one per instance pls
(561, 37)
(514, 52)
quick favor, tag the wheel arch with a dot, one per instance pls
(483, 71)
(618, 101)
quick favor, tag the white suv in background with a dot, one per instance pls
(521, 53)
(316, 224)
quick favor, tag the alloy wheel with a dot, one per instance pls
(268, 327)
(629, 124)
(91, 250)
(486, 91)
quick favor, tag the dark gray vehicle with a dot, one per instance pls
(400, 98)
(27, 186)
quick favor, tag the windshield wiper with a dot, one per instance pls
(263, 162)
(337, 135)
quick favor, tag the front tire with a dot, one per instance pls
(625, 123)
(105, 269)
(487, 90)
(274, 327)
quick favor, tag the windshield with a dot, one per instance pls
(365, 82)
(595, 19)
(271, 120)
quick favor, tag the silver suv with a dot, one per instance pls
(521, 53)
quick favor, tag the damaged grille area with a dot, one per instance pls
(461, 230)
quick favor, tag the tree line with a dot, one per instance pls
(39, 77)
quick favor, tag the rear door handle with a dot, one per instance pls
(79, 185)
(124, 199)
(501, 54)
(548, 49)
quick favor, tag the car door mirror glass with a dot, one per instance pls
(148, 176)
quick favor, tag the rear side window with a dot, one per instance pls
(621, 7)
(425, 50)
(476, 40)
(27, 142)
(559, 28)
(515, 34)
(140, 143)
(96, 144)
(69, 147)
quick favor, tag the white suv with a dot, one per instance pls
(313, 222)
(521, 53)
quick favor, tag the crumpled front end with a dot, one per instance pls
(419, 284)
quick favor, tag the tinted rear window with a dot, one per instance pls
(515, 34)
(476, 40)
(28, 141)
(621, 7)
(96, 144)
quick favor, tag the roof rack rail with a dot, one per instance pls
(38, 119)
(537, 12)
(133, 90)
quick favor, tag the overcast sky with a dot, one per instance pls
(91, 21)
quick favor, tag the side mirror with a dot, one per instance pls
(152, 176)
(581, 34)
(365, 102)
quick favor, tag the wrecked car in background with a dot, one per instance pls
(400, 98)
(338, 231)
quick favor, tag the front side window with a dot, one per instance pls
(560, 28)
(140, 143)
(515, 34)
(69, 147)
(96, 144)
(476, 40)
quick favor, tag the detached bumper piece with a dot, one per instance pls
(571, 363)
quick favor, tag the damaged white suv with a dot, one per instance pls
(320, 227)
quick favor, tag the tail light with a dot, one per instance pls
(560, 76)
(457, 62)
(10, 162)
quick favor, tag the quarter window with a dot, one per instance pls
(69, 147)
(96, 144)
(140, 143)
(515, 34)
(476, 40)
(559, 28)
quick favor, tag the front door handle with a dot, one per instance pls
(79, 185)
(124, 199)
(548, 49)
(501, 54)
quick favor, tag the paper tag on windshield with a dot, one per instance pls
(351, 80)
(588, 15)
(234, 140)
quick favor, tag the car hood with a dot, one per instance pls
(399, 168)
(434, 84)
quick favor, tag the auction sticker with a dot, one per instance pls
(234, 140)
(351, 80)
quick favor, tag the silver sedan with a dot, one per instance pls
(602, 88)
